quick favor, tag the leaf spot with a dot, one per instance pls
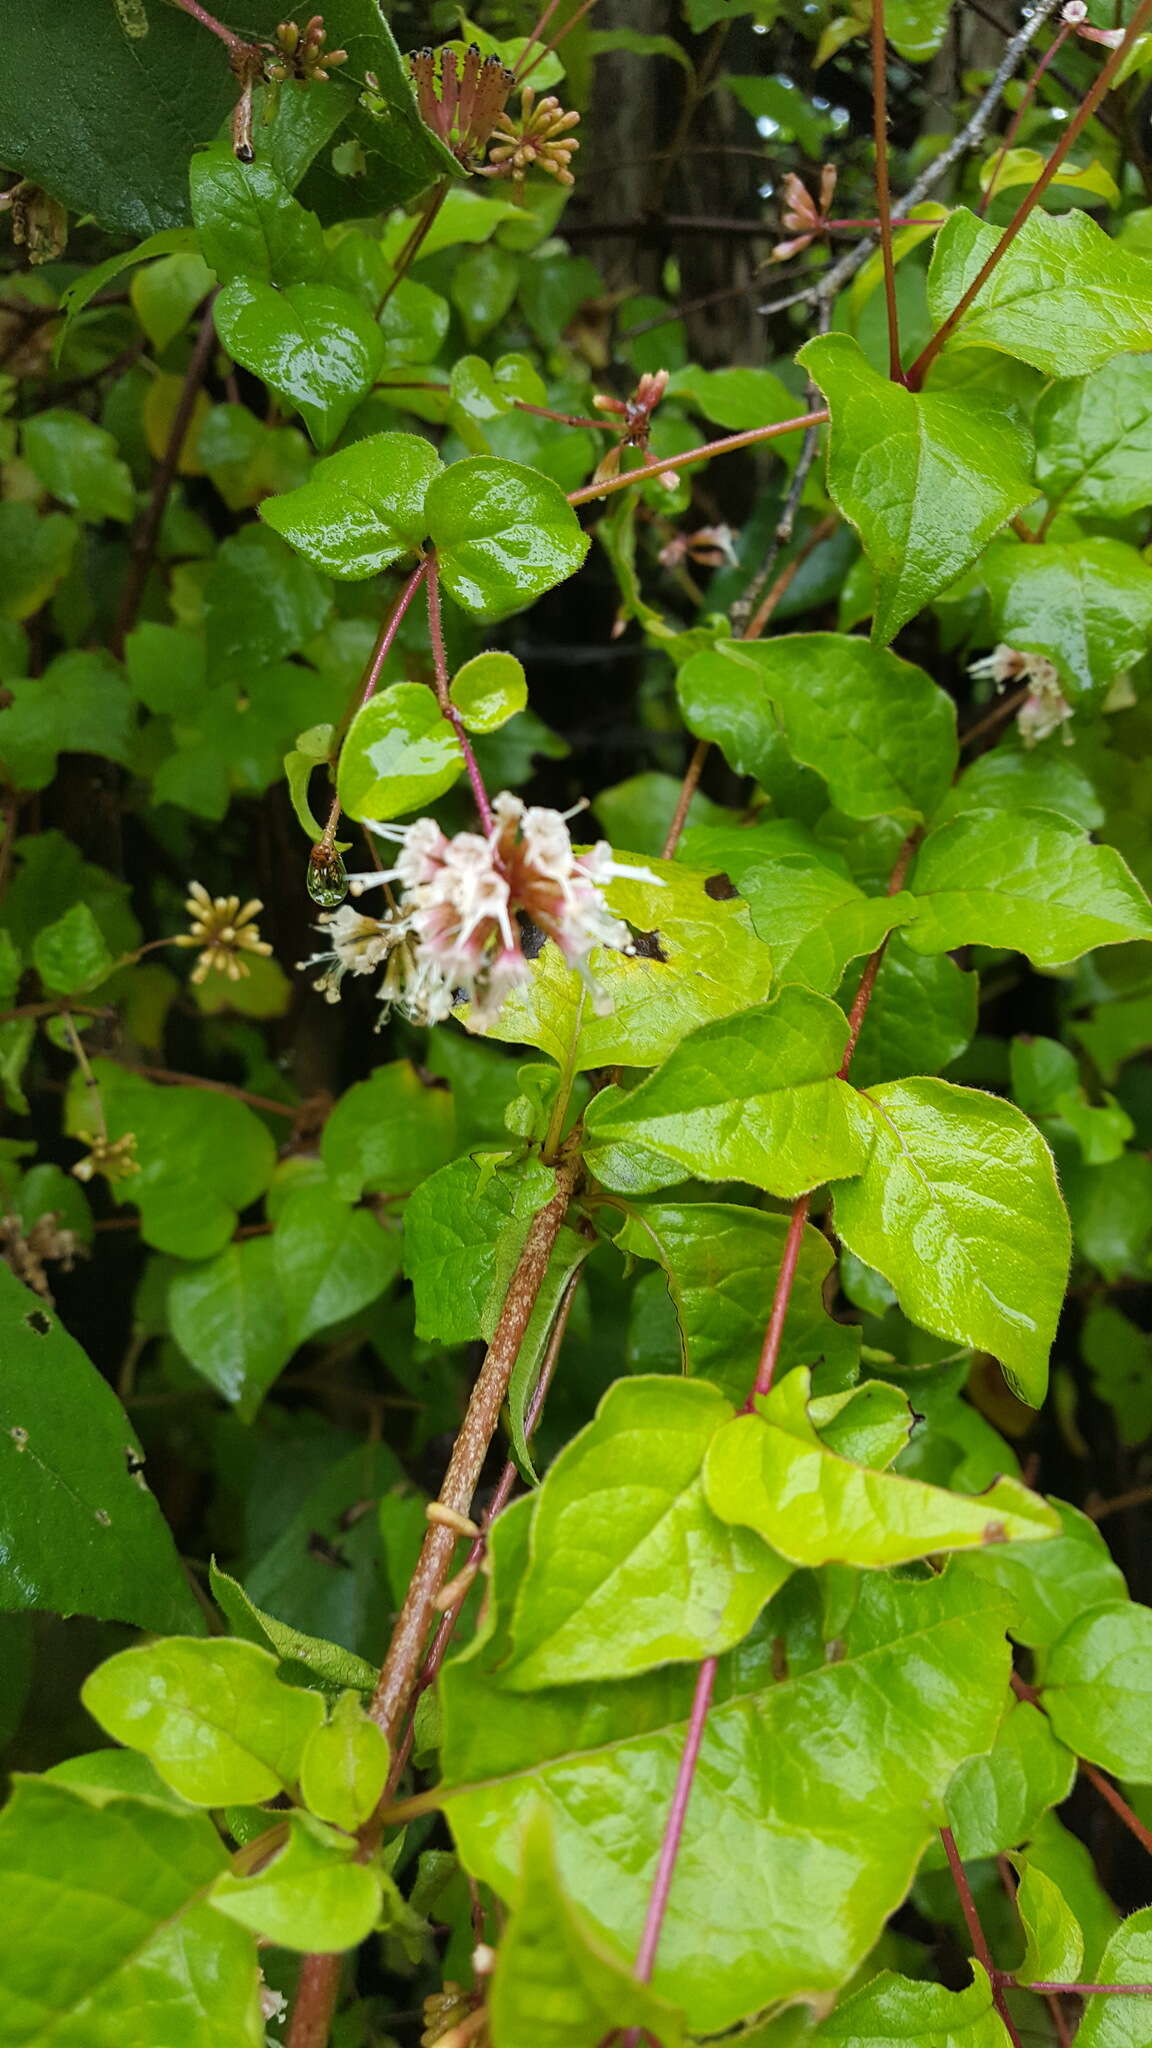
(994, 1532)
(38, 1321)
(19, 1437)
(720, 888)
(104, 1518)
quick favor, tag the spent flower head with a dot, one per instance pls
(461, 100)
(299, 52)
(1045, 709)
(112, 1158)
(224, 930)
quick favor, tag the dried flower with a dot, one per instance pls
(299, 52)
(114, 1158)
(1046, 708)
(223, 930)
(635, 414)
(456, 935)
(463, 104)
(538, 140)
(801, 212)
(273, 2004)
(25, 1253)
(710, 547)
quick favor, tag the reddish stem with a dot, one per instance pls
(1093, 1990)
(674, 1826)
(883, 192)
(766, 1371)
(704, 454)
(1076, 125)
(227, 36)
(692, 774)
(444, 695)
(1026, 100)
(1118, 1803)
(976, 1933)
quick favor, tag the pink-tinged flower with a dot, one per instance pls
(1046, 708)
(457, 935)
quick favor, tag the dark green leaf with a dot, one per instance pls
(313, 345)
(230, 1318)
(1094, 440)
(78, 463)
(81, 704)
(248, 223)
(1086, 605)
(388, 1133)
(1097, 1685)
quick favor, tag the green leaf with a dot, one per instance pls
(1010, 167)
(109, 1943)
(1011, 775)
(815, 1794)
(701, 959)
(453, 1226)
(1119, 1358)
(771, 1472)
(360, 509)
(876, 728)
(1120, 2022)
(664, 1579)
(997, 1800)
(736, 399)
(80, 1533)
(344, 1765)
(816, 920)
(894, 2009)
(78, 463)
(312, 1895)
(1111, 1211)
(248, 223)
(35, 555)
(231, 1320)
(1086, 604)
(753, 1097)
(400, 754)
(489, 690)
(503, 535)
(1064, 297)
(555, 1983)
(83, 288)
(1054, 1951)
(314, 346)
(81, 704)
(202, 1157)
(926, 479)
(959, 1208)
(1094, 440)
(71, 955)
(1097, 1686)
(307, 1660)
(213, 1717)
(165, 294)
(388, 1133)
(329, 1261)
(1063, 1858)
(260, 604)
(1050, 1586)
(721, 1264)
(923, 1014)
(1028, 879)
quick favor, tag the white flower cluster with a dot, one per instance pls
(1045, 709)
(455, 936)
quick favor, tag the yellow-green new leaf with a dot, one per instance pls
(1054, 1951)
(313, 1895)
(344, 1765)
(770, 1471)
(959, 1208)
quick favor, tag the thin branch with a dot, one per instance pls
(175, 1080)
(995, 717)
(883, 191)
(146, 534)
(1068, 140)
(1092, 1990)
(1099, 1510)
(1118, 1803)
(783, 535)
(691, 456)
(444, 694)
(976, 1933)
(692, 774)
(1026, 99)
(235, 43)
(781, 1299)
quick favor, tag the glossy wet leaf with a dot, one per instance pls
(876, 728)
(926, 479)
(400, 754)
(248, 223)
(1050, 1586)
(894, 2009)
(80, 1532)
(361, 509)
(109, 1942)
(312, 1895)
(629, 1566)
(753, 1097)
(1085, 604)
(996, 1801)
(771, 1472)
(721, 1264)
(79, 463)
(344, 1765)
(555, 1982)
(313, 345)
(1054, 1950)
(1064, 298)
(959, 1208)
(213, 1717)
(489, 690)
(814, 1796)
(388, 1133)
(1097, 1685)
(923, 1013)
(1030, 880)
(698, 958)
(503, 534)
(1094, 440)
(816, 920)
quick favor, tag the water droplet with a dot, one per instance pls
(327, 881)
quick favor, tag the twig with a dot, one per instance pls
(366, 689)
(748, 439)
(832, 281)
(444, 695)
(236, 44)
(1088, 1990)
(1118, 1803)
(993, 718)
(1136, 1497)
(1068, 139)
(145, 536)
(692, 774)
(1026, 99)
(883, 191)
(783, 535)
(175, 1080)
(674, 1826)
(976, 1933)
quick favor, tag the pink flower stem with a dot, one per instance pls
(444, 695)
(1083, 1990)
(674, 1827)
(1027, 97)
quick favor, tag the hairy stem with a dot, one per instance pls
(692, 774)
(144, 539)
